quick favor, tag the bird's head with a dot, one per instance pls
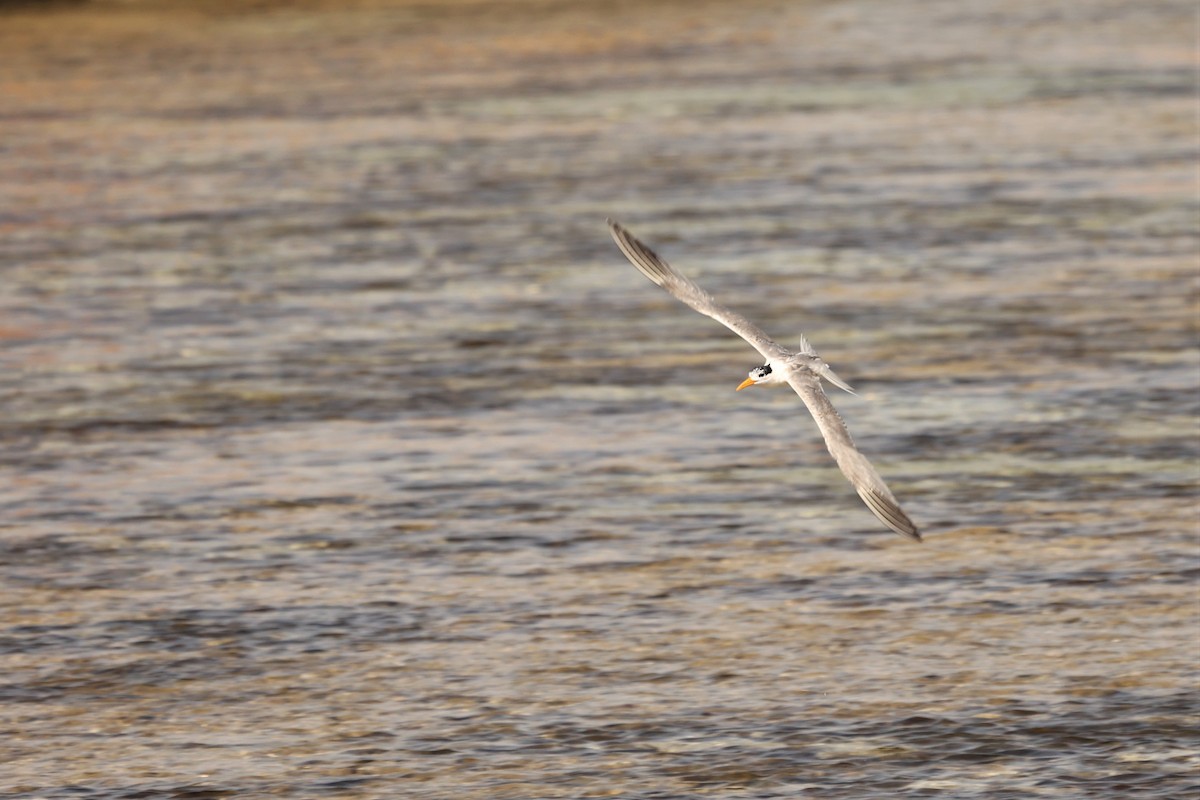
(763, 374)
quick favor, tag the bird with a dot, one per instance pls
(802, 369)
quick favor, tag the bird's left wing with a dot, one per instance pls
(853, 464)
(687, 292)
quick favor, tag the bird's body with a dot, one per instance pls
(802, 370)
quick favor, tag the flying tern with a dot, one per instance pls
(802, 370)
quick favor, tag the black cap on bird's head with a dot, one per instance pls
(757, 375)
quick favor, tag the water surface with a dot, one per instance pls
(345, 456)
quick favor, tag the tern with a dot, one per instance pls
(802, 370)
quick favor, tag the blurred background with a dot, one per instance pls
(345, 456)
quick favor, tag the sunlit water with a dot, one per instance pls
(345, 456)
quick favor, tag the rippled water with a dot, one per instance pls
(345, 456)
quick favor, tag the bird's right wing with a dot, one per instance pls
(687, 292)
(853, 464)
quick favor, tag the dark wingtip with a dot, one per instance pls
(889, 513)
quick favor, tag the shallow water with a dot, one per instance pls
(345, 456)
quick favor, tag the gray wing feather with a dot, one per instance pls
(687, 292)
(854, 465)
